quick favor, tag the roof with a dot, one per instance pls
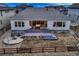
(3, 6)
(40, 14)
(73, 7)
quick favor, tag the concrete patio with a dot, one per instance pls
(2, 45)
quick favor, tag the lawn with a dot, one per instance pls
(63, 39)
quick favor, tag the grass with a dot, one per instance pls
(63, 39)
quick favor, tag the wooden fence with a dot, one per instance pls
(33, 50)
(72, 48)
(39, 49)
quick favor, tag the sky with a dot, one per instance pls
(38, 4)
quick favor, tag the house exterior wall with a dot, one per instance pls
(49, 25)
(73, 12)
(4, 19)
(26, 25)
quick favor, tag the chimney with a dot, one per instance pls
(17, 11)
(46, 8)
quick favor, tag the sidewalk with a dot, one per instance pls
(6, 35)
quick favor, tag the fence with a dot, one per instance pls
(72, 48)
(33, 50)
(39, 49)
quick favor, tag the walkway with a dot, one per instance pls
(7, 35)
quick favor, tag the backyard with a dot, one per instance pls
(65, 39)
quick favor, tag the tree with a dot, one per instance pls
(22, 6)
(76, 5)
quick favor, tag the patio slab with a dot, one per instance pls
(3, 45)
(11, 40)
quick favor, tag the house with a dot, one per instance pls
(40, 18)
(74, 12)
(5, 14)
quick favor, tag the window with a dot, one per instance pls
(22, 24)
(19, 24)
(34, 23)
(59, 24)
(1, 14)
(0, 21)
(38, 22)
(15, 24)
(63, 24)
(54, 24)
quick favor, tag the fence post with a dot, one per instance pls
(30, 50)
(17, 50)
(66, 48)
(55, 48)
(42, 49)
(4, 50)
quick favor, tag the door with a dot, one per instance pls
(38, 24)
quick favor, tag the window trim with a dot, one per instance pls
(19, 24)
(56, 24)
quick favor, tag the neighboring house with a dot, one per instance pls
(40, 18)
(74, 12)
(5, 14)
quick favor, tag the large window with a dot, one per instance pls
(59, 24)
(38, 24)
(19, 24)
